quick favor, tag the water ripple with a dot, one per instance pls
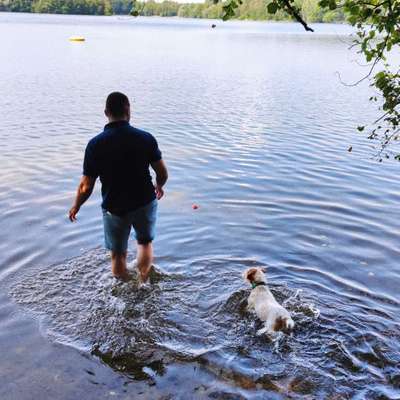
(339, 345)
(259, 142)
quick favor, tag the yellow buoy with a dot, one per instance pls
(76, 39)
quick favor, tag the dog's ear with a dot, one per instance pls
(250, 274)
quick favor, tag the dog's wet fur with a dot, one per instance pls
(261, 300)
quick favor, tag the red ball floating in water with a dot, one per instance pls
(195, 206)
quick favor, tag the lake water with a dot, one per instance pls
(254, 125)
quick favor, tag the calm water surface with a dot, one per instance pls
(255, 126)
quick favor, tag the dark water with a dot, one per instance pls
(255, 127)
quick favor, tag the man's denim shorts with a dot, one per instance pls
(117, 229)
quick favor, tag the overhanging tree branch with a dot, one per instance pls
(294, 12)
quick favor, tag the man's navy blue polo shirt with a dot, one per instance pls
(121, 156)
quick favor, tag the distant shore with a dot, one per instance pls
(252, 10)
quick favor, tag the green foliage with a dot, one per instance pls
(386, 128)
(150, 8)
(243, 9)
(15, 6)
(213, 9)
(122, 7)
(272, 8)
(92, 7)
(332, 16)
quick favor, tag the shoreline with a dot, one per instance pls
(176, 17)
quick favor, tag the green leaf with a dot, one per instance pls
(332, 5)
(272, 8)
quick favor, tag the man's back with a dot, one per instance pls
(121, 156)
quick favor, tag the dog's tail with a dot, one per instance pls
(283, 324)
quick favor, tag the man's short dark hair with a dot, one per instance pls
(117, 104)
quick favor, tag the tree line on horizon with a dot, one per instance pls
(248, 10)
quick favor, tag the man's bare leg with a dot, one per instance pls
(144, 260)
(118, 266)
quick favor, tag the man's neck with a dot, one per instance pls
(111, 120)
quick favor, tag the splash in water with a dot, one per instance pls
(338, 348)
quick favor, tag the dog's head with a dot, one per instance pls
(254, 275)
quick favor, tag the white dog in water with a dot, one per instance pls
(262, 301)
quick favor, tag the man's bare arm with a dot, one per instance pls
(84, 191)
(161, 171)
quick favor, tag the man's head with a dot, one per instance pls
(117, 107)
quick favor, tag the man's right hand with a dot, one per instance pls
(84, 191)
(72, 213)
(159, 192)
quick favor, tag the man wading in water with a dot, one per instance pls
(121, 156)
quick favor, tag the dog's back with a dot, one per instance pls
(275, 317)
